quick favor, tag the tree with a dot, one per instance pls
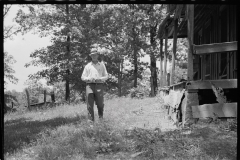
(61, 62)
(122, 31)
(116, 43)
(8, 71)
(154, 21)
(67, 98)
(9, 30)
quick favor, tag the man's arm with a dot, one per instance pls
(105, 73)
(84, 76)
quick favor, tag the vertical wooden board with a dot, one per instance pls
(214, 61)
(231, 65)
(210, 66)
(217, 109)
(213, 67)
(202, 61)
(202, 111)
(228, 64)
(174, 51)
(218, 65)
(229, 109)
(228, 25)
(165, 59)
(190, 24)
(183, 107)
(235, 64)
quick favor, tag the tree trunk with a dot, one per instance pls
(28, 98)
(135, 64)
(165, 59)
(174, 51)
(161, 70)
(153, 74)
(152, 87)
(168, 79)
(134, 49)
(67, 96)
(153, 59)
(120, 79)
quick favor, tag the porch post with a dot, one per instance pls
(165, 59)
(161, 60)
(190, 18)
(174, 50)
(191, 97)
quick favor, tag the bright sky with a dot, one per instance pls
(20, 48)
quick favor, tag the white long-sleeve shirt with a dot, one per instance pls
(94, 71)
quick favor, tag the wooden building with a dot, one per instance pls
(212, 54)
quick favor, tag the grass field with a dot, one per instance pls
(131, 129)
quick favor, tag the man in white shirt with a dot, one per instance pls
(94, 74)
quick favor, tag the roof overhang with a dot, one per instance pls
(174, 12)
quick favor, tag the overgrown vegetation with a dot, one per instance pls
(65, 133)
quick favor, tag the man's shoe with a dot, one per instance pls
(100, 119)
(90, 122)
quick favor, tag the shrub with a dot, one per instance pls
(139, 92)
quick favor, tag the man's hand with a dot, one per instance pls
(98, 80)
(91, 80)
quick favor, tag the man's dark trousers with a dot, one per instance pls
(94, 92)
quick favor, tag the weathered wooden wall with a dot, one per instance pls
(215, 24)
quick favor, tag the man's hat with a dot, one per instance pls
(93, 51)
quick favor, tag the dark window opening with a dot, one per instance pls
(207, 96)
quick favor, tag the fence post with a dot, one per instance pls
(28, 98)
(53, 96)
(44, 92)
